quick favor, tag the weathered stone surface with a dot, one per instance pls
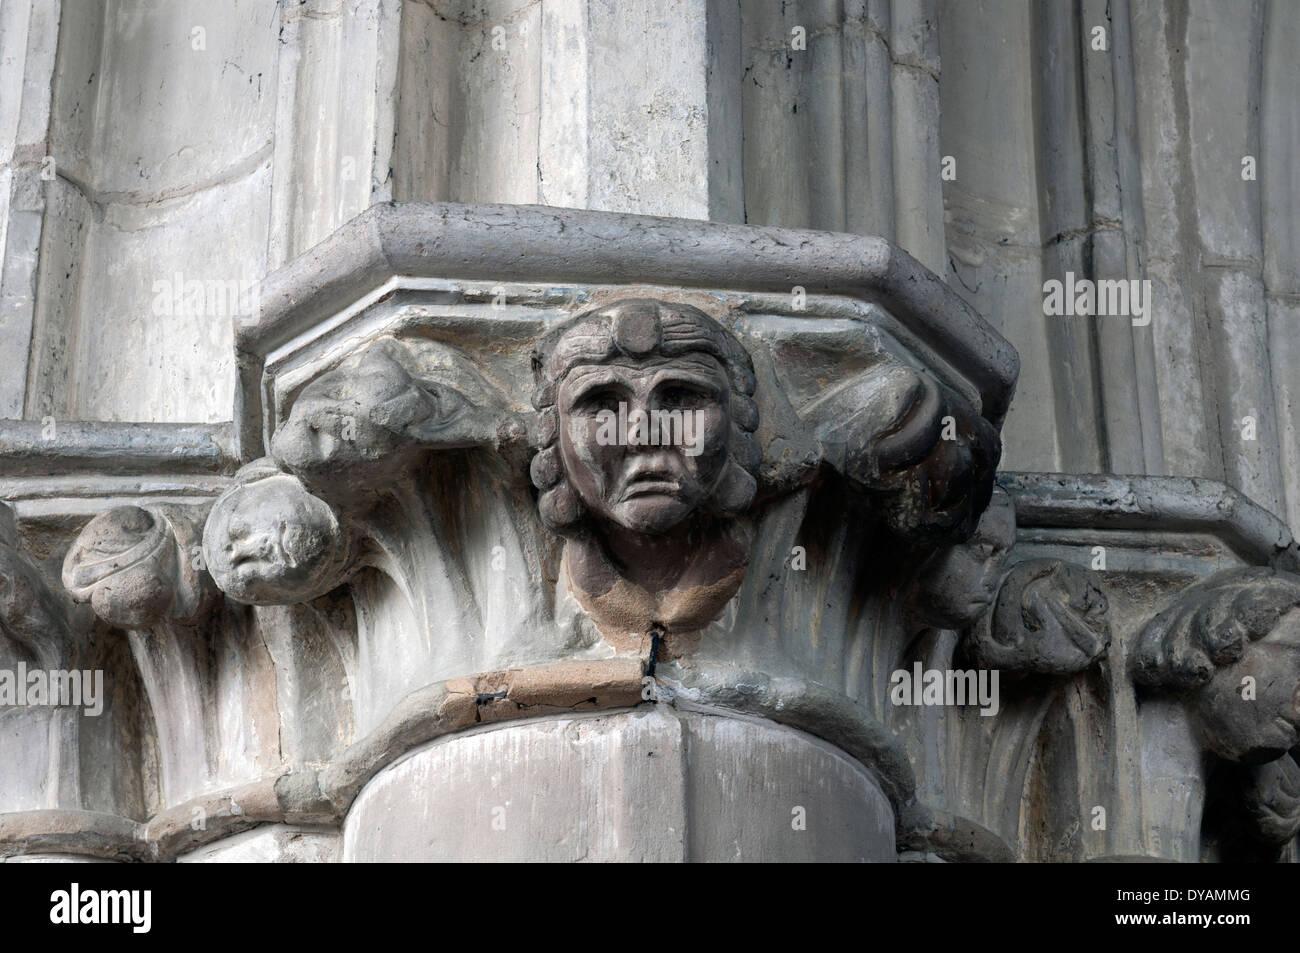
(1050, 617)
(268, 541)
(138, 567)
(649, 461)
(269, 844)
(1231, 647)
(622, 787)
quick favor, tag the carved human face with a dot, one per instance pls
(270, 542)
(957, 586)
(625, 469)
(1239, 728)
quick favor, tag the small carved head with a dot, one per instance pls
(646, 416)
(1051, 617)
(958, 583)
(382, 408)
(1231, 647)
(270, 542)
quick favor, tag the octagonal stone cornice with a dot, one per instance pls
(544, 258)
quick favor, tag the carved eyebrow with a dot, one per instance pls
(675, 375)
(584, 383)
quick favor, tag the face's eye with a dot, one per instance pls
(598, 400)
(682, 397)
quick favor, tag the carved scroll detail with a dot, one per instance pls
(1050, 617)
(141, 565)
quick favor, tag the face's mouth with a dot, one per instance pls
(648, 478)
(650, 487)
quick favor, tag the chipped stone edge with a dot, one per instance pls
(321, 796)
(87, 833)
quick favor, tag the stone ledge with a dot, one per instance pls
(536, 243)
(88, 833)
(106, 448)
(1186, 504)
(322, 796)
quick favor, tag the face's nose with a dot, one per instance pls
(250, 547)
(636, 436)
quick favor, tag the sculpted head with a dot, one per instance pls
(270, 542)
(381, 409)
(646, 417)
(958, 583)
(1231, 647)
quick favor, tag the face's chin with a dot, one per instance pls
(653, 513)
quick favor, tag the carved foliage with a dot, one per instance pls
(1050, 617)
(1230, 647)
(139, 565)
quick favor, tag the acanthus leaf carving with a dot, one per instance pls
(1229, 650)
